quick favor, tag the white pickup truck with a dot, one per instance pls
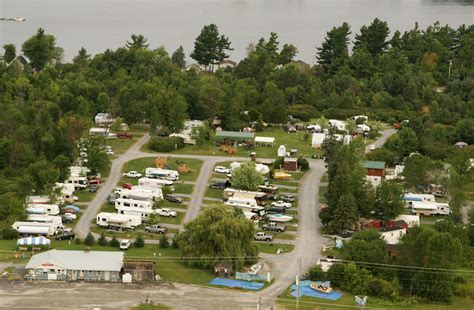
(261, 236)
(166, 212)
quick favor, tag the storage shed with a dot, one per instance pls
(375, 168)
(290, 164)
(224, 269)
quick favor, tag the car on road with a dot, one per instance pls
(274, 227)
(166, 212)
(219, 185)
(132, 174)
(127, 185)
(261, 236)
(125, 244)
(372, 147)
(173, 198)
(288, 198)
(156, 229)
(221, 169)
(281, 204)
(65, 235)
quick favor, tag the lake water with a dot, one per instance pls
(101, 24)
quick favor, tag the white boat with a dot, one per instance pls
(19, 19)
(280, 218)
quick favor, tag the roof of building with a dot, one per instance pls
(79, 260)
(290, 160)
(388, 229)
(235, 134)
(374, 164)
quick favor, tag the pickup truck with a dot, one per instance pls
(281, 204)
(173, 198)
(156, 229)
(274, 227)
(261, 236)
(166, 212)
(66, 234)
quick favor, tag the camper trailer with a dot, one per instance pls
(143, 213)
(430, 208)
(118, 221)
(38, 200)
(66, 192)
(412, 198)
(157, 193)
(259, 197)
(159, 183)
(36, 228)
(127, 203)
(44, 218)
(158, 173)
(47, 209)
(79, 182)
(246, 203)
(141, 193)
(79, 171)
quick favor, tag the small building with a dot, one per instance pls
(141, 270)
(20, 61)
(410, 219)
(231, 137)
(60, 265)
(392, 235)
(281, 152)
(290, 164)
(267, 141)
(98, 132)
(226, 63)
(375, 168)
(224, 269)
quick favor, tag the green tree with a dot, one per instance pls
(246, 177)
(82, 58)
(465, 129)
(39, 49)
(333, 51)
(102, 241)
(373, 38)
(344, 214)
(89, 240)
(137, 42)
(388, 201)
(43, 175)
(210, 47)
(178, 58)
(417, 171)
(96, 156)
(114, 242)
(287, 53)
(139, 242)
(164, 243)
(218, 235)
(9, 52)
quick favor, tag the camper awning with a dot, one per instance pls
(264, 140)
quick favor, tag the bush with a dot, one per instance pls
(90, 240)
(114, 242)
(77, 241)
(9, 234)
(174, 243)
(102, 240)
(317, 274)
(140, 242)
(303, 164)
(165, 144)
(303, 112)
(164, 243)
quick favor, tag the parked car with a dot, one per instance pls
(275, 210)
(132, 174)
(281, 204)
(221, 169)
(156, 229)
(69, 216)
(96, 181)
(109, 152)
(124, 135)
(127, 185)
(372, 147)
(66, 235)
(166, 212)
(218, 185)
(274, 227)
(173, 198)
(125, 244)
(93, 188)
(261, 236)
(288, 198)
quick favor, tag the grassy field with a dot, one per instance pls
(272, 248)
(181, 188)
(141, 164)
(120, 146)
(173, 220)
(84, 195)
(214, 193)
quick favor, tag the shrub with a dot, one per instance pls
(77, 241)
(317, 274)
(140, 242)
(114, 242)
(303, 112)
(90, 240)
(9, 234)
(303, 164)
(102, 240)
(164, 243)
(174, 243)
(165, 144)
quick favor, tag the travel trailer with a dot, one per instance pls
(36, 228)
(412, 198)
(44, 218)
(127, 203)
(38, 200)
(159, 173)
(66, 192)
(259, 197)
(159, 183)
(243, 203)
(430, 208)
(47, 209)
(118, 221)
(143, 213)
(78, 182)
(141, 193)
(79, 171)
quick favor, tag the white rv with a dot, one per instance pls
(127, 203)
(36, 228)
(339, 125)
(42, 209)
(78, 182)
(79, 171)
(38, 200)
(243, 203)
(44, 218)
(152, 192)
(430, 208)
(143, 213)
(135, 195)
(120, 221)
(66, 192)
(410, 199)
(159, 183)
(159, 173)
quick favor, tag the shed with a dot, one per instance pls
(224, 269)
(267, 141)
(290, 164)
(375, 168)
(281, 152)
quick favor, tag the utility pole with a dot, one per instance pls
(259, 303)
(449, 69)
(298, 276)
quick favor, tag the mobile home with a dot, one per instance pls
(159, 183)
(430, 208)
(143, 213)
(44, 218)
(42, 209)
(412, 198)
(158, 173)
(127, 203)
(120, 221)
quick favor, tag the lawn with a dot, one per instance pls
(214, 193)
(271, 248)
(181, 188)
(172, 220)
(141, 164)
(120, 146)
(322, 193)
(84, 195)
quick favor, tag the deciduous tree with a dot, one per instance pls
(246, 177)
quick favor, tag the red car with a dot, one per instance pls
(95, 181)
(124, 135)
(127, 185)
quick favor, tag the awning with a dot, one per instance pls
(264, 140)
(33, 241)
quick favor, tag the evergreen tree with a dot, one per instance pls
(9, 52)
(333, 52)
(388, 202)
(102, 241)
(164, 243)
(89, 240)
(344, 215)
(138, 42)
(373, 38)
(178, 58)
(39, 49)
(114, 242)
(287, 53)
(210, 47)
(82, 58)
(139, 242)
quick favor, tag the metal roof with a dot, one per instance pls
(374, 164)
(79, 260)
(235, 134)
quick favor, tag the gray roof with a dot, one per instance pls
(235, 135)
(79, 260)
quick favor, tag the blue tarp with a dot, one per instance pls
(305, 290)
(236, 283)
